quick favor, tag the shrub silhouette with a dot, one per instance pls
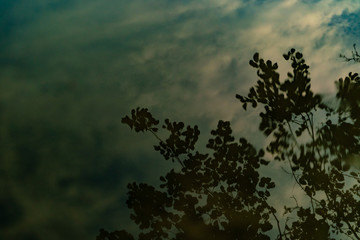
(223, 194)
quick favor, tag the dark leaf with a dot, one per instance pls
(256, 57)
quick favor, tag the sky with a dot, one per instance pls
(71, 69)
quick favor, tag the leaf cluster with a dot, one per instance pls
(141, 120)
(281, 100)
(222, 193)
(219, 196)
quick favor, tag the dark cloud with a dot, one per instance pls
(11, 212)
(310, 1)
(63, 178)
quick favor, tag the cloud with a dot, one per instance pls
(71, 69)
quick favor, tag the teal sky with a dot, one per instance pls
(69, 70)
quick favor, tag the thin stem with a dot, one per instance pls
(297, 205)
(297, 181)
(278, 224)
(292, 133)
(272, 213)
(351, 228)
(177, 157)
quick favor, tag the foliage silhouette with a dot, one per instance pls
(355, 56)
(224, 194)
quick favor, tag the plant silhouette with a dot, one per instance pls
(355, 56)
(224, 194)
